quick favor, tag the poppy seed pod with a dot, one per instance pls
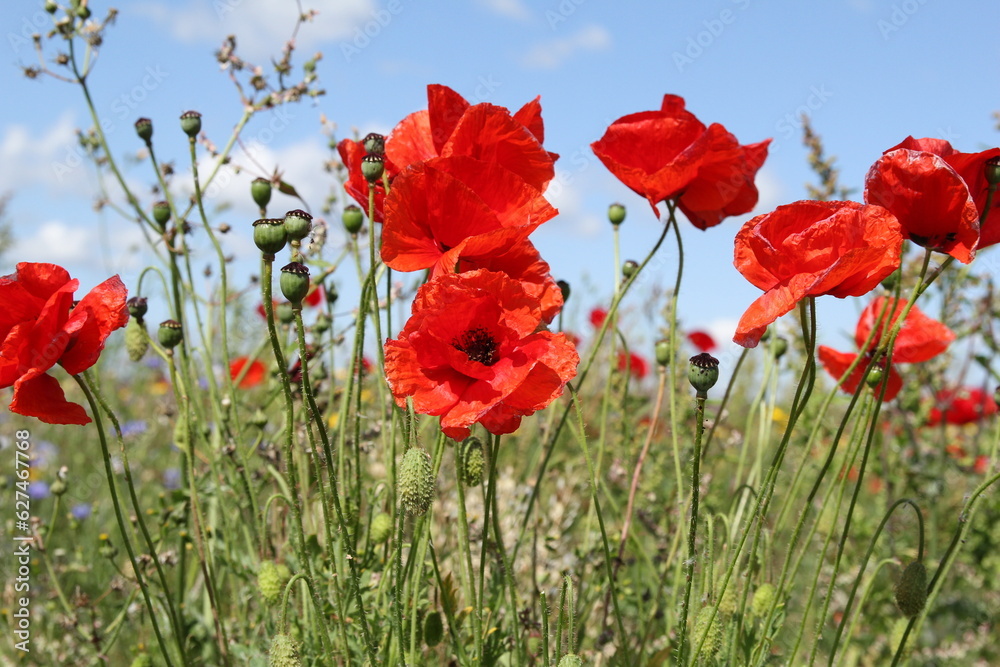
(874, 377)
(416, 481)
(170, 334)
(294, 283)
(911, 591)
(372, 167)
(472, 461)
(703, 373)
(269, 582)
(298, 223)
(137, 307)
(433, 629)
(563, 289)
(993, 170)
(284, 652)
(269, 234)
(374, 143)
(571, 660)
(260, 190)
(780, 346)
(662, 351)
(285, 313)
(629, 268)
(191, 123)
(380, 529)
(353, 219)
(616, 214)
(144, 128)
(161, 213)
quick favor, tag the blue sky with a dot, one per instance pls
(869, 72)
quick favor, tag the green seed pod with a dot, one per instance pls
(911, 591)
(191, 123)
(331, 293)
(298, 223)
(891, 280)
(471, 461)
(662, 352)
(372, 167)
(294, 283)
(433, 629)
(992, 168)
(416, 481)
(144, 128)
(874, 377)
(380, 529)
(780, 347)
(616, 214)
(564, 289)
(353, 219)
(136, 339)
(629, 268)
(51, 7)
(711, 632)
(571, 660)
(284, 652)
(322, 323)
(269, 582)
(763, 597)
(703, 373)
(285, 313)
(161, 214)
(137, 307)
(170, 334)
(727, 605)
(260, 190)
(59, 487)
(270, 235)
(374, 143)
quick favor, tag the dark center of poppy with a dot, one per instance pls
(479, 345)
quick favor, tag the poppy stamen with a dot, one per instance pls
(478, 344)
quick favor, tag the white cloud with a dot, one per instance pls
(555, 52)
(263, 26)
(49, 156)
(82, 246)
(513, 9)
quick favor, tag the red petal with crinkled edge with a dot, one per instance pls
(724, 185)
(930, 200)
(530, 115)
(489, 133)
(972, 168)
(929, 145)
(445, 108)
(253, 376)
(23, 294)
(410, 141)
(811, 248)
(99, 313)
(523, 262)
(921, 338)
(39, 395)
(836, 364)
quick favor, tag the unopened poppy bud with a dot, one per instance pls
(331, 294)
(284, 652)
(763, 598)
(416, 481)
(59, 487)
(563, 289)
(260, 190)
(322, 324)
(380, 528)
(616, 214)
(662, 351)
(993, 170)
(874, 377)
(780, 346)
(372, 166)
(51, 7)
(170, 334)
(708, 631)
(137, 307)
(629, 268)
(285, 313)
(911, 591)
(571, 660)
(136, 339)
(269, 582)
(374, 143)
(294, 283)
(297, 224)
(83, 11)
(472, 461)
(703, 373)
(433, 629)
(270, 235)
(191, 123)
(161, 213)
(144, 128)
(353, 219)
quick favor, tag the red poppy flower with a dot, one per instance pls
(450, 126)
(702, 341)
(523, 262)
(634, 364)
(254, 374)
(450, 209)
(351, 154)
(965, 405)
(811, 248)
(597, 317)
(472, 352)
(41, 327)
(919, 339)
(314, 297)
(982, 465)
(971, 167)
(669, 153)
(928, 197)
